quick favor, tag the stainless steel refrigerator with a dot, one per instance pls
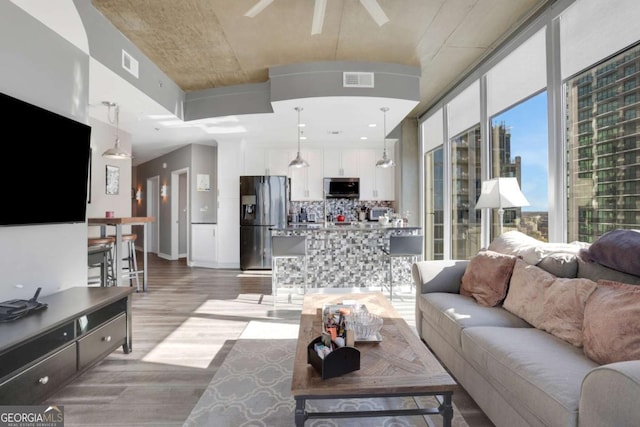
(263, 205)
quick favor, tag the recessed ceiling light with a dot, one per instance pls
(301, 125)
(372, 125)
(303, 138)
(363, 137)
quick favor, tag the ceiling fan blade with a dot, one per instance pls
(259, 7)
(318, 16)
(375, 11)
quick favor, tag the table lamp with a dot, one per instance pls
(501, 193)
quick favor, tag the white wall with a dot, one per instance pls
(102, 138)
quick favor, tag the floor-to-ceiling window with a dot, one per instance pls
(434, 204)
(465, 190)
(603, 147)
(557, 106)
(519, 148)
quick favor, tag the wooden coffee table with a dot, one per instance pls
(399, 365)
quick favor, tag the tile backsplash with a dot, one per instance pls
(348, 207)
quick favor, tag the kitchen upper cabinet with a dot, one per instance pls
(306, 183)
(375, 183)
(339, 163)
(204, 246)
(261, 161)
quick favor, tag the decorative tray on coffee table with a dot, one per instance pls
(332, 311)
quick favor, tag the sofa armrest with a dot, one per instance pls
(438, 276)
(609, 395)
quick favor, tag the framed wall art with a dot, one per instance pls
(113, 180)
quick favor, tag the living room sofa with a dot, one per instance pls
(522, 375)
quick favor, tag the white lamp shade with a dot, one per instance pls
(501, 193)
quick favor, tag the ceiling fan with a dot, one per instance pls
(372, 6)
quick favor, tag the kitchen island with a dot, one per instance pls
(344, 255)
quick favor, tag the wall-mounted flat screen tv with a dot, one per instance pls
(45, 165)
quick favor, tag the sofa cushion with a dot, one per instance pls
(550, 303)
(539, 374)
(617, 249)
(487, 277)
(531, 250)
(561, 264)
(451, 313)
(526, 291)
(518, 244)
(612, 323)
(595, 272)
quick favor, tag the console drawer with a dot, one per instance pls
(102, 341)
(36, 383)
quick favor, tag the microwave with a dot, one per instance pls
(377, 212)
(342, 188)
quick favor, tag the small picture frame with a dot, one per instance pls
(113, 180)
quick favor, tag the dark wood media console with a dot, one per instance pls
(46, 349)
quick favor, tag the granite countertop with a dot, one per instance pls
(331, 226)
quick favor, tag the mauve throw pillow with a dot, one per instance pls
(617, 249)
(487, 277)
(525, 298)
(547, 302)
(612, 323)
(563, 308)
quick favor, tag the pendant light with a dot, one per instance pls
(385, 161)
(115, 152)
(298, 162)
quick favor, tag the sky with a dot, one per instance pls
(529, 140)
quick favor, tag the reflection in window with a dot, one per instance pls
(434, 204)
(604, 192)
(465, 190)
(519, 147)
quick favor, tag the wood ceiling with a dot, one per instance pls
(203, 44)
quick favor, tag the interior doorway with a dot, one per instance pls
(180, 214)
(153, 209)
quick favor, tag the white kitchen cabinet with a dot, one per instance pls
(204, 246)
(306, 183)
(341, 163)
(277, 161)
(375, 183)
(254, 161)
(266, 161)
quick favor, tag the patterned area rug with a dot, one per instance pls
(252, 388)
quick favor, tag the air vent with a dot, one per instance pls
(357, 79)
(129, 63)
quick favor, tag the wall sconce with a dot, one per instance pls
(163, 191)
(139, 195)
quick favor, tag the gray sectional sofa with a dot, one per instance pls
(518, 374)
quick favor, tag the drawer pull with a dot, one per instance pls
(44, 380)
(107, 338)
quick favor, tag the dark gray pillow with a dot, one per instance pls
(595, 272)
(617, 249)
(560, 265)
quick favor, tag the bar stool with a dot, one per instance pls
(99, 256)
(401, 246)
(287, 247)
(131, 269)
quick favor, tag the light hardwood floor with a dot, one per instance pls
(183, 328)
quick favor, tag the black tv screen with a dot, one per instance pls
(45, 165)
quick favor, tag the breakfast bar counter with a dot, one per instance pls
(344, 255)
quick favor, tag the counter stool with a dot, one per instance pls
(401, 246)
(100, 256)
(287, 247)
(130, 270)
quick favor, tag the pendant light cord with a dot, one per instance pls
(298, 109)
